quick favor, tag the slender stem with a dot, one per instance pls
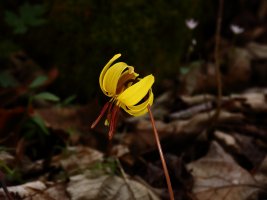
(165, 169)
(217, 60)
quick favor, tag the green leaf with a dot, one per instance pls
(30, 14)
(38, 81)
(40, 123)
(68, 100)
(7, 80)
(184, 70)
(11, 18)
(19, 27)
(46, 96)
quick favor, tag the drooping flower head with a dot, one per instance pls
(126, 90)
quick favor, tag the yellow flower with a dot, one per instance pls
(126, 90)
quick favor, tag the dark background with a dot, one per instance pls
(79, 36)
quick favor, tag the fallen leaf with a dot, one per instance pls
(238, 72)
(227, 139)
(77, 158)
(261, 173)
(142, 138)
(218, 176)
(251, 101)
(90, 186)
(257, 50)
(197, 99)
(37, 190)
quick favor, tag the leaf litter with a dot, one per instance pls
(231, 166)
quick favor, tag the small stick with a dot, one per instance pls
(217, 61)
(165, 169)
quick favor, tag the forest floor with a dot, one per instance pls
(49, 151)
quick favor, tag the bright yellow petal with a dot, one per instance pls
(103, 72)
(112, 77)
(139, 109)
(135, 93)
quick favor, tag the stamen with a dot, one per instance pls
(116, 118)
(108, 119)
(113, 121)
(103, 111)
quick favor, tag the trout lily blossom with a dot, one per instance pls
(131, 93)
(126, 90)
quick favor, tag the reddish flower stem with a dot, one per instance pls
(165, 169)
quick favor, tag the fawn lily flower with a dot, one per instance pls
(126, 90)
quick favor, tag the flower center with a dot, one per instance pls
(124, 81)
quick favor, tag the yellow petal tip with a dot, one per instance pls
(117, 55)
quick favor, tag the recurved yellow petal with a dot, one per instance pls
(135, 93)
(103, 72)
(139, 109)
(112, 77)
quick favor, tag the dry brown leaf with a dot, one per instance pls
(257, 50)
(261, 175)
(218, 176)
(184, 114)
(256, 101)
(37, 190)
(119, 150)
(142, 139)
(198, 99)
(190, 126)
(238, 72)
(66, 118)
(227, 139)
(244, 146)
(91, 186)
(77, 158)
(202, 121)
(53, 192)
(198, 81)
(247, 147)
(252, 101)
(70, 122)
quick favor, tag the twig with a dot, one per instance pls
(165, 169)
(217, 61)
